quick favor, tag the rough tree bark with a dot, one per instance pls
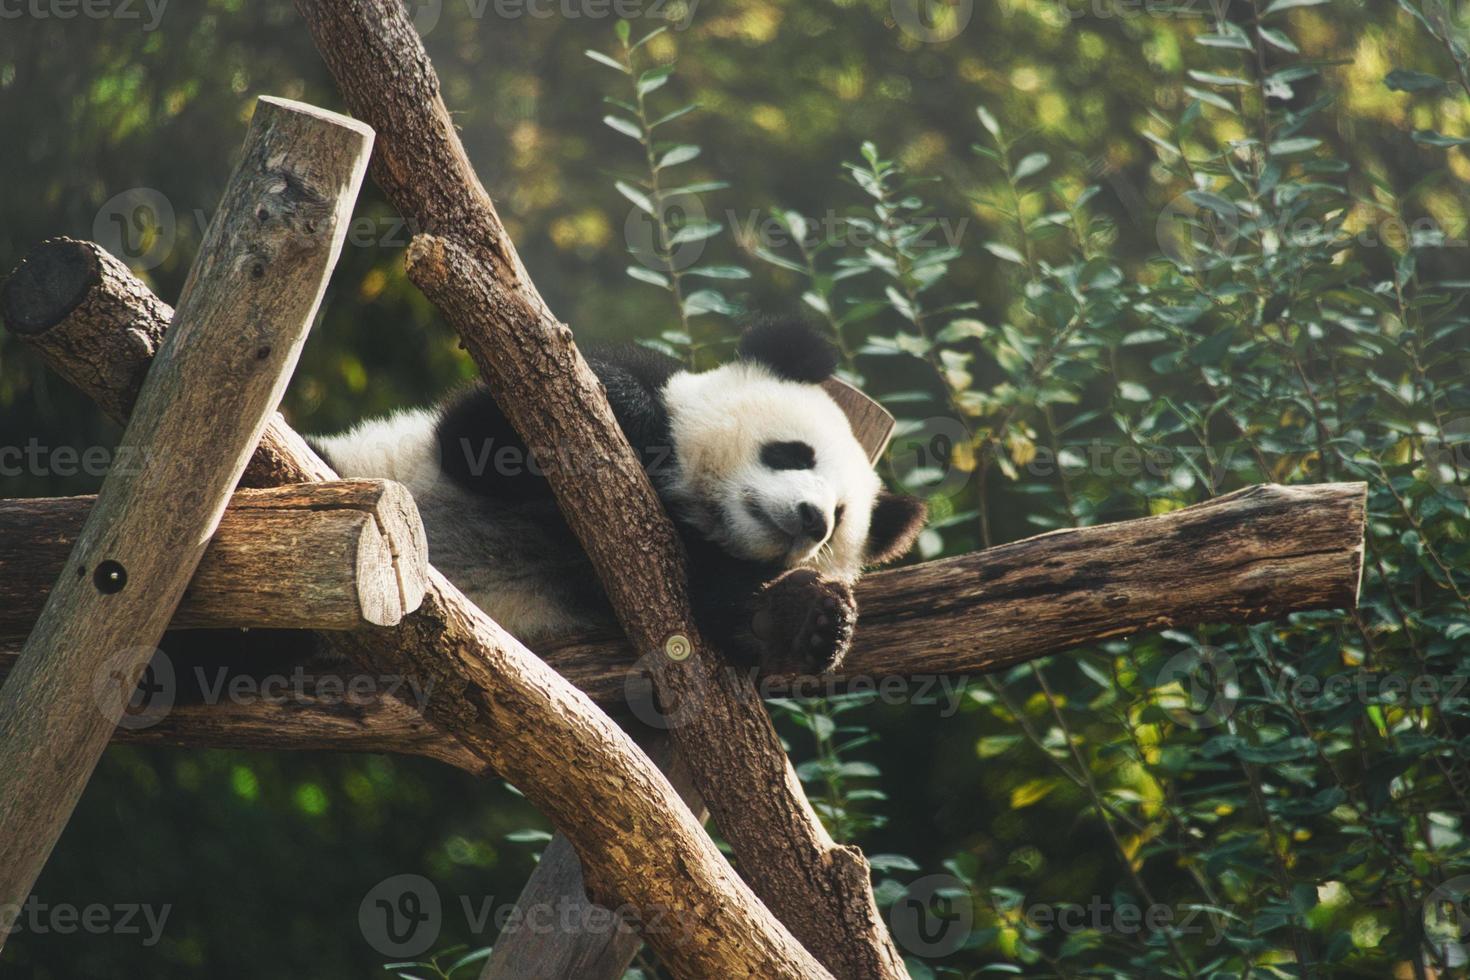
(328, 556)
(466, 264)
(1253, 555)
(490, 700)
(249, 301)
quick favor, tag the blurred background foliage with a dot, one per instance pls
(1179, 249)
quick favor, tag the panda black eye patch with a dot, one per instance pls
(788, 456)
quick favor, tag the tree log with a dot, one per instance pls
(495, 702)
(329, 556)
(466, 264)
(81, 308)
(250, 299)
(1253, 555)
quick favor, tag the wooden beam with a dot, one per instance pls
(493, 699)
(249, 301)
(328, 556)
(1254, 555)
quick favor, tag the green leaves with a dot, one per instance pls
(625, 126)
(1281, 6)
(1404, 80)
(653, 79)
(1428, 137)
(674, 236)
(607, 60)
(676, 155)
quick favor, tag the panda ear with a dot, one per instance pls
(790, 349)
(897, 521)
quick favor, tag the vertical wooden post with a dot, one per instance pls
(249, 301)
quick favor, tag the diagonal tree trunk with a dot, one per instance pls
(466, 264)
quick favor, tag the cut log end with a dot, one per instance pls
(51, 282)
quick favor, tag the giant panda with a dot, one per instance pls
(775, 500)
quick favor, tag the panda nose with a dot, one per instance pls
(813, 521)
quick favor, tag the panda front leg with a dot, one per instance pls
(804, 622)
(793, 621)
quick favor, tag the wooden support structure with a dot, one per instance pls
(1254, 555)
(1257, 554)
(249, 301)
(325, 556)
(494, 705)
(466, 264)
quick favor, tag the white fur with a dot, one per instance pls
(499, 555)
(719, 420)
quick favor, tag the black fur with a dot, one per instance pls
(897, 521)
(788, 456)
(481, 451)
(791, 350)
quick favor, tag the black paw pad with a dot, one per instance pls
(805, 623)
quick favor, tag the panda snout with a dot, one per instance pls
(812, 520)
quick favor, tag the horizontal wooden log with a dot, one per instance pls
(331, 556)
(1249, 556)
(1257, 554)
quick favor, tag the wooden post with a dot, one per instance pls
(328, 556)
(247, 306)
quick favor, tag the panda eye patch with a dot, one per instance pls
(788, 456)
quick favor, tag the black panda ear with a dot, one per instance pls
(897, 521)
(792, 350)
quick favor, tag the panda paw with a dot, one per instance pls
(804, 623)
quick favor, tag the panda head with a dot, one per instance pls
(766, 465)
